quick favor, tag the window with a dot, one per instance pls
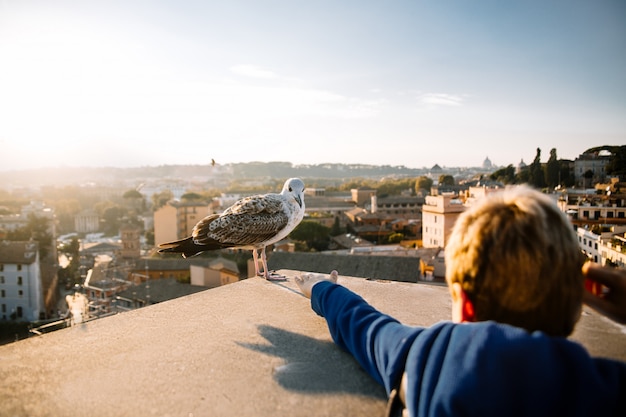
(19, 312)
(19, 280)
(20, 293)
(4, 308)
(1, 267)
(1, 279)
(19, 267)
(2, 293)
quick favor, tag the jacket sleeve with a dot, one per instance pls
(377, 341)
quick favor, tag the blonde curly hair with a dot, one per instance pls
(517, 258)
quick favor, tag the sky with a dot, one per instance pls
(127, 83)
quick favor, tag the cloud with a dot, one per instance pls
(253, 71)
(441, 99)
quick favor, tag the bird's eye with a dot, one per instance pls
(290, 190)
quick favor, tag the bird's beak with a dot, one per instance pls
(298, 200)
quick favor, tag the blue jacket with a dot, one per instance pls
(473, 369)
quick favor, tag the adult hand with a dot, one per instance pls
(307, 281)
(610, 302)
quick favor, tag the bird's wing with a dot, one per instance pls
(248, 222)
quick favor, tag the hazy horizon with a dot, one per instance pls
(149, 83)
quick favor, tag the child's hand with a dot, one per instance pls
(307, 281)
(612, 301)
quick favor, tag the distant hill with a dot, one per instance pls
(256, 170)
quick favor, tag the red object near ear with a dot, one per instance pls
(468, 308)
(593, 287)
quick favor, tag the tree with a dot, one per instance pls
(552, 173)
(394, 187)
(504, 175)
(423, 183)
(191, 196)
(395, 238)
(111, 216)
(135, 200)
(161, 199)
(71, 273)
(315, 235)
(37, 229)
(535, 172)
(336, 229)
(65, 211)
(617, 163)
(446, 180)
(588, 176)
(567, 179)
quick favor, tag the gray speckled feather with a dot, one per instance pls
(249, 222)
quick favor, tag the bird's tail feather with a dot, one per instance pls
(185, 246)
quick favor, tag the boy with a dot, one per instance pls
(513, 267)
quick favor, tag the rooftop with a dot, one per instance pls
(252, 348)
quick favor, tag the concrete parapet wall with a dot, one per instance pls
(253, 348)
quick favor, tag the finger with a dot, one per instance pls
(603, 307)
(334, 275)
(607, 276)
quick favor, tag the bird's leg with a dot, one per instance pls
(255, 257)
(269, 275)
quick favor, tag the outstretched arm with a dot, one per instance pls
(610, 302)
(377, 341)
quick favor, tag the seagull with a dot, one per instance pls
(251, 223)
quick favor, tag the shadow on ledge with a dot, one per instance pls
(318, 366)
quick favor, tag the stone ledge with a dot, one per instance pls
(251, 348)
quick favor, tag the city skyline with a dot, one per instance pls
(139, 83)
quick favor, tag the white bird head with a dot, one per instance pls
(294, 187)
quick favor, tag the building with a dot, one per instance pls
(130, 235)
(12, 222)
(439, 213)
(591, 168)
(152, 292)
(588, 207)
(100, 290)
(362, 196)
(613, 250)
(400, 207)
(87, 221)
(176, 220)
(164, 268)
(217, 273)
(589, 243)
(605, 245)
(21, 289)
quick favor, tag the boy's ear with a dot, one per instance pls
(462, 306)
(468, 308)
